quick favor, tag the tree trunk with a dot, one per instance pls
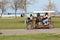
(2, 9)
(25, 8)
(2, 13)
(15, 10)
(15, 13)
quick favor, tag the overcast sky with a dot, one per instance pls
(41, 4)
(38, 6)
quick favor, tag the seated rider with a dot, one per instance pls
(46, 15)
(31, 17)
(38, 18)
(46, 19)
(38, 21)
(28, 20)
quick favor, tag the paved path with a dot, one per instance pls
(25, 31)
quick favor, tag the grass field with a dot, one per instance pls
(18, 23)
(31, 37)
(56, 22)
(15, 23)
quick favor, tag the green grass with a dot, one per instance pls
(18, 23)
(31, 37)
(56, 22)
(15, 23)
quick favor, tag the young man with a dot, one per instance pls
(46, 15)
(46, 20)
(38, 21)
(30, 22)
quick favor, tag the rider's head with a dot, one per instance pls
(38, 14)
(30, 15)
(46, 13)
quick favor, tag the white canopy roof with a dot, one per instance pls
(43, 11)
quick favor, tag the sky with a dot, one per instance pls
(38, 5)
(41, 4)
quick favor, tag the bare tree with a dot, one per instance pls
(21, 5)
(52, 7)
(17, 4)
(4, 2)
(27, 3)
(0, 5)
